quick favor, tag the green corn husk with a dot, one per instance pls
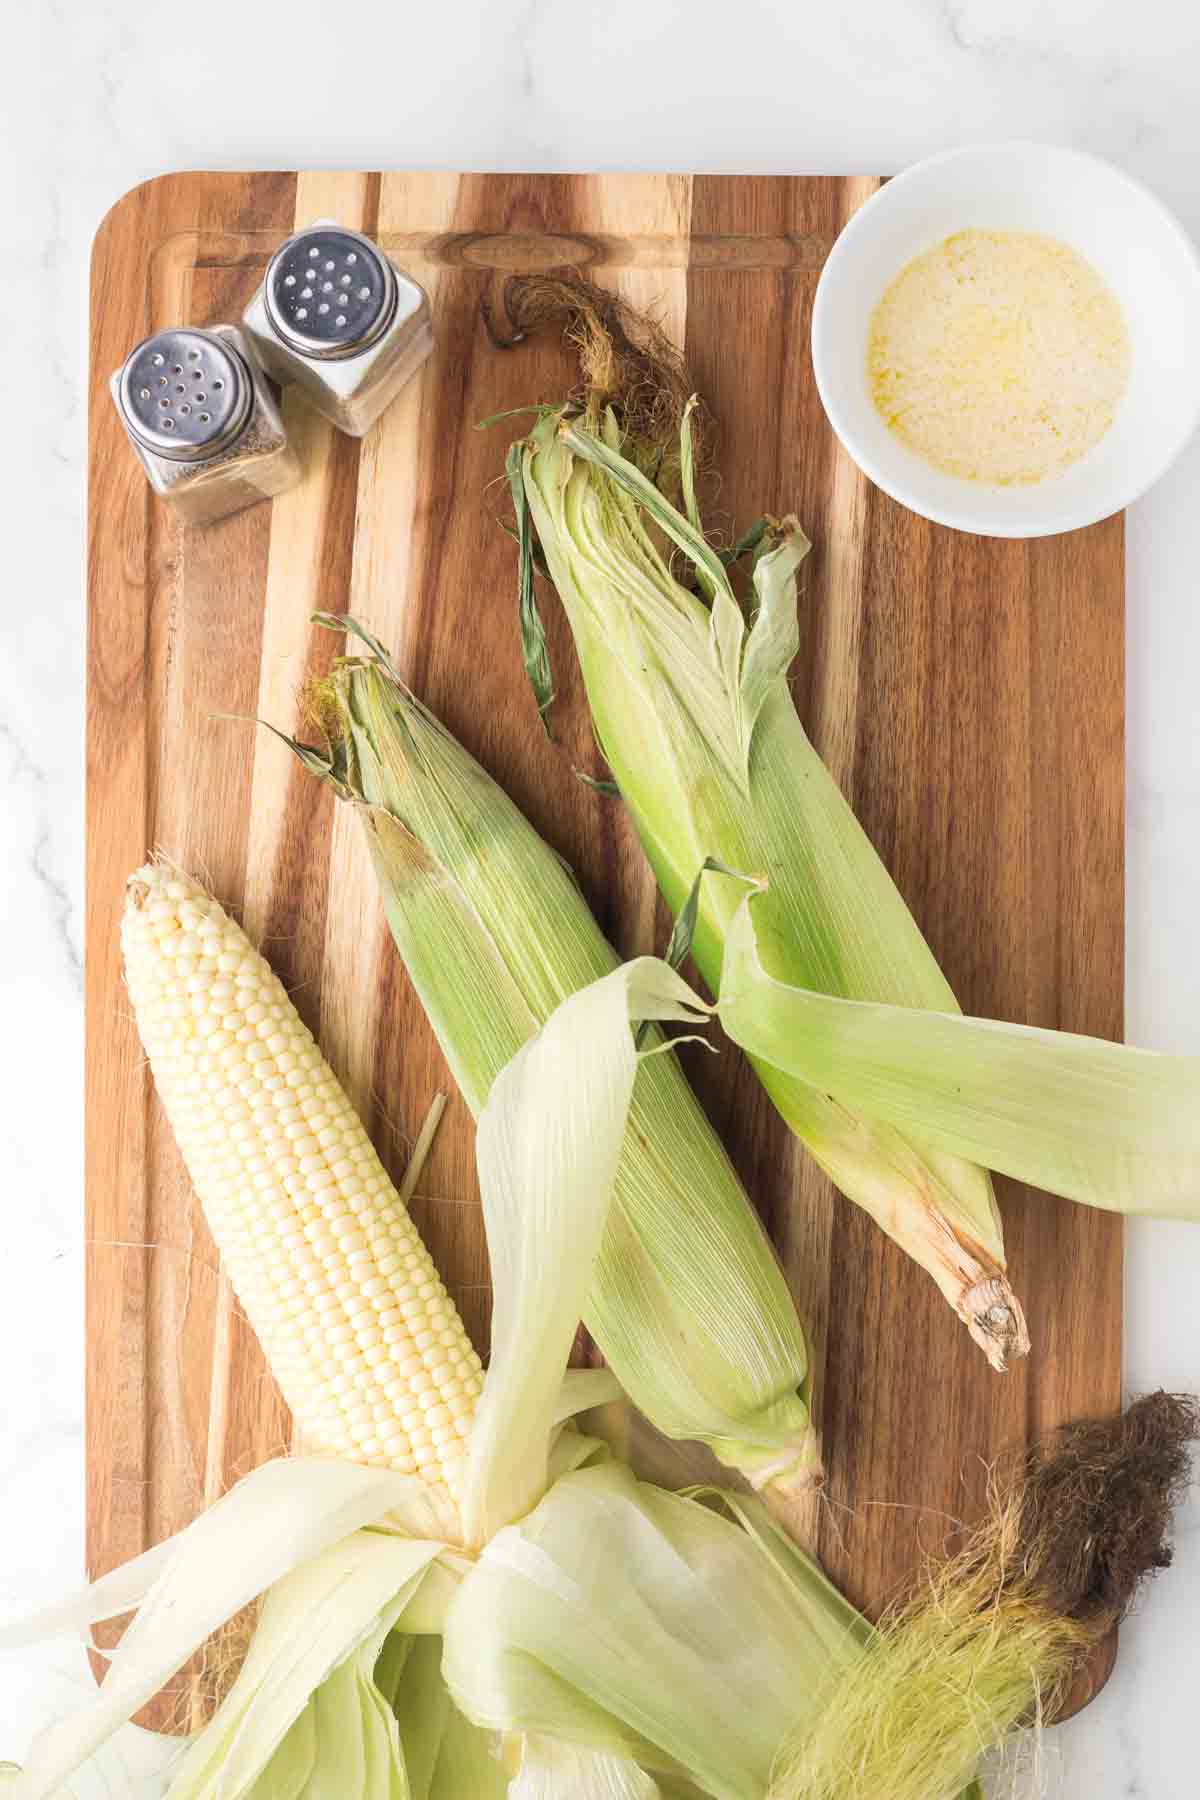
(687, 1303)
(693, 712)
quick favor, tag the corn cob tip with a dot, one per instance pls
(994, 1317)
(151, 877)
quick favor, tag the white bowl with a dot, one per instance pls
(1122, 229)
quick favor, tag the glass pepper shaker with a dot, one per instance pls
(204, 422)
(339, 319)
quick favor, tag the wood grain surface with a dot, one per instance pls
(968, 694)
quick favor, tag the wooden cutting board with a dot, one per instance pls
(967, 693)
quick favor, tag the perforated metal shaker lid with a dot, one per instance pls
(329, 292)
(185, 393)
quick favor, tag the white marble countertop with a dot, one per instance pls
(98, 97)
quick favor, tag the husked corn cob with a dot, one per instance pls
(360, 1333)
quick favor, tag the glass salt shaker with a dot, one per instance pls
(339, 319)
(204, 422)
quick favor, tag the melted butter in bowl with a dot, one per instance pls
(999, 356)
(1004, 339)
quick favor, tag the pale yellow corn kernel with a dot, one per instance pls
(331, 1271)
(397, 1454)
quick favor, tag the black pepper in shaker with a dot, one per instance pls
(336, 317)
(206, 427)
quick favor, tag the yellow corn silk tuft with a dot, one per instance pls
(356, 1324)
(988, 1639)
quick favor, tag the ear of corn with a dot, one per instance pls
(687, 1301)
(358, 1329)
(691, 706)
